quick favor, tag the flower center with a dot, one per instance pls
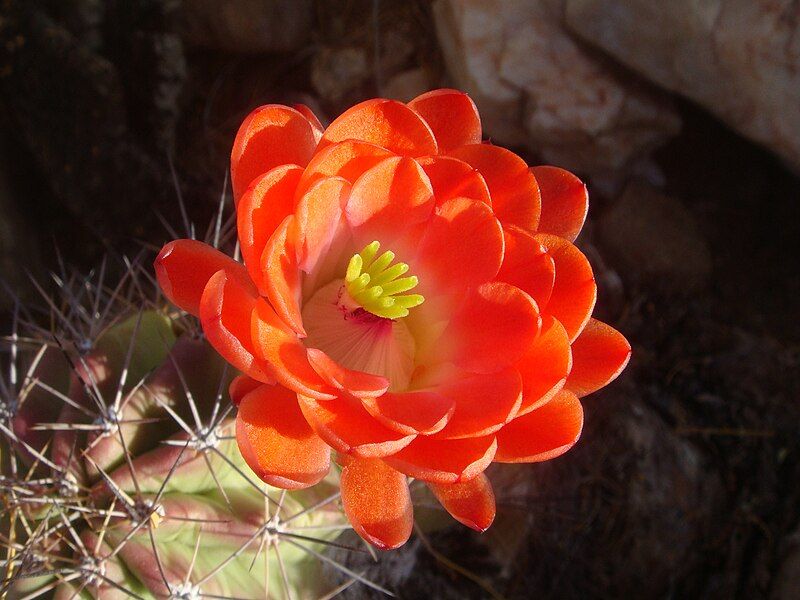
(358, 339)
(375, 283)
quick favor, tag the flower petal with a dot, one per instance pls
(270, 136)
(527, 265)
(386, 123)
(599, 354)
(225, 312)
(281, 275)
(377, 502)
(240, 386)
(347, 427)
(423, 412)
(348, 159)
(451, 115)
(278, 346)
(389, 198)
(469, 502)
(276, 441)
(544, 366)
(574, 289)
(183, 268)
(462, 247)
(265, 204)
(545, 433)
(318, 214)
(312, 118)
(515, 193)
(357, 383)
(484, 403)
(492, 328)
(565, 202)
(453, 178)
(444, 461)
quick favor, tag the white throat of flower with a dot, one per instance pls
(358, 320)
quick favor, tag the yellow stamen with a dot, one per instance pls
(374, 284)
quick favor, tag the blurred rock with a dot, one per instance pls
(655, 237)
(633, 491)
(610, 286)
(536, 86)
(247, 26)
(336, 72)
(739, 59)
(366, 49)
(408, 85)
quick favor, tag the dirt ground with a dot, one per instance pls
(686, 482)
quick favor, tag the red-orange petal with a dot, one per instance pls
(451, 115)
(357, 383)
(527, 265)
(348, 159)
(377, 502)
(542, 434)
(565, 202)
(316, 125)
(453, 178)
(468, 502)
(265, 204)
(492, 328)
(277, 442)
(515, 193)
(574, 289)
(544, 366)
(445, 461)
(599, 355)
(389, 198)
(424, 412)
(281, 275)
(270, 136)
(483, 403)
(462, 247)
(347, 427)
(318, 214)
(279, 347)
(225, 312)
(183, 268)
(240, 386)
(386, 123)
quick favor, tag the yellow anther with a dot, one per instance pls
(354, 268)
(380, 264)
(409, 301)
(390, 274)
(368, 253)
(373, 283)
(358, 284)
(400, 285)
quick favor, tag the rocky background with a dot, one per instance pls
(682, 116)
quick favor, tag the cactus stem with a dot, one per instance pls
(33, 451)
(76, 500)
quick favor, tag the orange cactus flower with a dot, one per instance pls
(410, 298)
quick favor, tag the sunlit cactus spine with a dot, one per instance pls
(121, 477)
